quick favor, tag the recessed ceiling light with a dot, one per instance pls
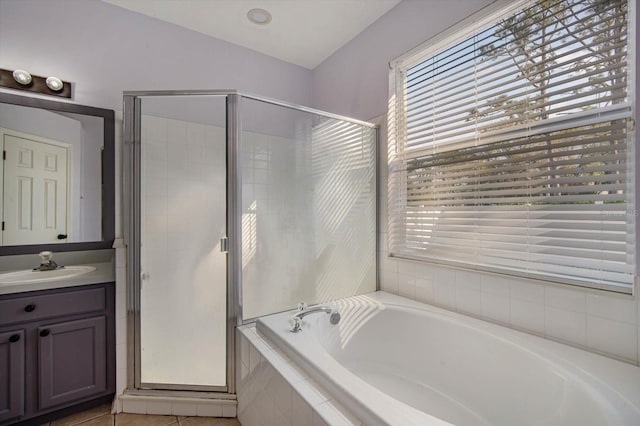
(259, 16)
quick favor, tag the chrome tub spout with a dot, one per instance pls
(296, 319)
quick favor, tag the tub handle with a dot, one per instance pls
(295, 323)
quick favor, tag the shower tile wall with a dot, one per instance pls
(183, 294)
(598, 321)
(344, 209)
(276, 202)
(308, 220)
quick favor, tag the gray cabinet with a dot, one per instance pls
(11, 374)
(71, 361)
(57, 350)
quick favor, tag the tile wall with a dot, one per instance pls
(121, 316)
(121, 281)
(308, 214)
(183, 288)
(277, 245)
(595, 320)
(274, 391)
(178, 406)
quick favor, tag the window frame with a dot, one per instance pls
(489, 15)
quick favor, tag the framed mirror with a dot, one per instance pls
(57, 176)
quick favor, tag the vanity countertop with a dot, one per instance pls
(104, 273)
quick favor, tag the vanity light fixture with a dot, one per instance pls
(23, 80)
(259, 16)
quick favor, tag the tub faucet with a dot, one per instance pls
(46, 262)
(303, 311)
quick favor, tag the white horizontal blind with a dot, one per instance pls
(513, 148)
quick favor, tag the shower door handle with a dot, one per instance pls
(224, 244)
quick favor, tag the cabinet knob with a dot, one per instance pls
(30, 308)
(14, 338)
(44, 333)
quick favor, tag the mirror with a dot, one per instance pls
(57, 176)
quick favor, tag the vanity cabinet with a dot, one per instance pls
(71, 361)
(11, 374)
(57, 349)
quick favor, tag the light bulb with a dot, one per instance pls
(54, 83)
(22, 77)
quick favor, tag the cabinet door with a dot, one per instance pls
(71, 361)
(11, 374)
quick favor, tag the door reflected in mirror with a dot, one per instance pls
(52, 175)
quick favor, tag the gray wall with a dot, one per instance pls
(103, 49)
(354, 80)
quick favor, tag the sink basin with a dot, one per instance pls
(29, 276)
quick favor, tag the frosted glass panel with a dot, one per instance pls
(308, 208)
(183, 287)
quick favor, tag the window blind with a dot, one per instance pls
(512, 149)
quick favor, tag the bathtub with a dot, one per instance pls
(395, 361)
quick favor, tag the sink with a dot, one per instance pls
(29, 276)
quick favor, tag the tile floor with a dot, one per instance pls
(101, 416)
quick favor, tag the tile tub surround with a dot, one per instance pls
(598, 321)
(273, 391)
(392, 360)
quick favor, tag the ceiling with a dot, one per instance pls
(302, 32)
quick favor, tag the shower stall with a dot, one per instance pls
(237, 206)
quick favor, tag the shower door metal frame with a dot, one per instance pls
(132, 229)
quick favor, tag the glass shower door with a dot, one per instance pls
(183, 283)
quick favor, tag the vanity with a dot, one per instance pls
(57, 323)
(58, 347)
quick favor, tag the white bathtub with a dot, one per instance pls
(395, 361)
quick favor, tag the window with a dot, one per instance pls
(511, 146)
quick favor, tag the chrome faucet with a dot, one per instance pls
(46, 262)
(303, 311)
